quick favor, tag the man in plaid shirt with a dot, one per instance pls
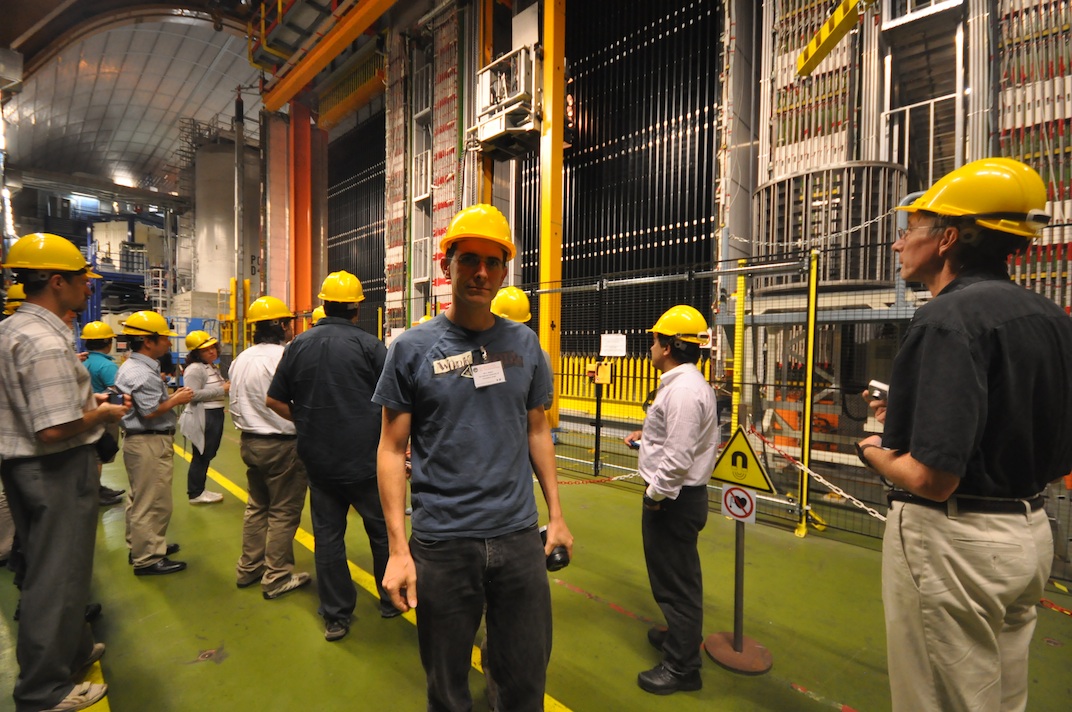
(49, 423)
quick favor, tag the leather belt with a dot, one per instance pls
(169, 431)
(971, 504)
(269, 436)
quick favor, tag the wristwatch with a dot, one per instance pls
(861, 449)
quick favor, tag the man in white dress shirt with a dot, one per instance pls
(678, 447)
(276, 476)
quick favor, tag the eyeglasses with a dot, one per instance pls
(472, 261)
(902, 232)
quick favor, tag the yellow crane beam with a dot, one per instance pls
(346, 29)
(843, 19)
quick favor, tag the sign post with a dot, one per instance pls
(739, 470)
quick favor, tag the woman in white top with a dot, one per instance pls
(202, 421)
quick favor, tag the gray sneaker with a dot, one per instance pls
(83, 695)
(295, 581)
(335, 630)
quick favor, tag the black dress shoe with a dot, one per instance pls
(171, 549)
(93, 612)
(662, 681)
(657, 636)
(164, 566)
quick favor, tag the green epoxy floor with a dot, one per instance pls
(813, 602)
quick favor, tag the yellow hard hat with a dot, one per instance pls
(684, 322)
(341, 287)
(147, 323)
(480, 221)
(997, 193)
(267, 309)
(16, 292)
(511, 303)
(425, 319)
(318, 314)
(97, 330)
(44, 251)
(200, 340)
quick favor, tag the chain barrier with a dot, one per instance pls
(819, 478)
(596, 481)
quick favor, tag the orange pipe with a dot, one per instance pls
(347, 29)
(301, 208)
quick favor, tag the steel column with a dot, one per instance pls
(551, 134)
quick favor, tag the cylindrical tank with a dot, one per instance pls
(214, 206)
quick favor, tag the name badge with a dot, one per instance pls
(488, 374)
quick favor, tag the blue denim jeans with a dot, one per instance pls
(456, 579)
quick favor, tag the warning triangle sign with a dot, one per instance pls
(738, 465)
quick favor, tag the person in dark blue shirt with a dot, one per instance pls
(470, 388)
(324, 383)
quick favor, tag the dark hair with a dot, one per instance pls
(680, 351)
(268, 332)
(97, 344)
(194, 356)
(134, 343)
(342, 310)
(34, 281)
(989, 249)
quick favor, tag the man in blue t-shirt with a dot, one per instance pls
(469, 389)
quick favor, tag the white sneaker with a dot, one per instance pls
(294, 582)
(83, 695)
(207, 497)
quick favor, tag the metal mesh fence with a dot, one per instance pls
(855, 338)
(356, 216)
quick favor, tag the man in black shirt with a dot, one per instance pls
(979, 412)
(324, 383)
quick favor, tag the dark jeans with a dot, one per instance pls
(198, 472)
(456, 578)
(670, 536)
(55, 505)
(329, 502)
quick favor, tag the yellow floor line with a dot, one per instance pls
(361, 577)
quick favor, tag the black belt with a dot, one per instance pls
(269, 436)
(971, 504)
(132, 433)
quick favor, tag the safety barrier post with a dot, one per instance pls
(809, 385)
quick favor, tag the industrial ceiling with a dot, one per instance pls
(107, 83)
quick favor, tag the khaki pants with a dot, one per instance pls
(148, 459)
(960, 595)
(277, 484)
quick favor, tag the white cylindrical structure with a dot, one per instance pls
(214, 181)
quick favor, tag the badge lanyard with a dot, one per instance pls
(487, 374)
